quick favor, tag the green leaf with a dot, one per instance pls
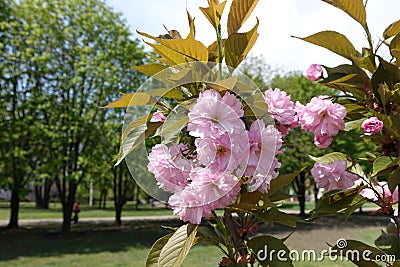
(391, 124)
(333, 41)
(354, 245)
(383, 165)
(336, 201)
(262, 246)
(176, 120)
(134, 136)
(130, 100)
(391, 30)
(357, 203)
(273, 215)
(154, 253)
(208, 235)
(282, 180)
(354, 8)
(394, 180)
(239, 12)
(386, 73)
(238, 45)
(389, 243)
(330, 158)
(178, 245)
(351, 125)
(251, 201)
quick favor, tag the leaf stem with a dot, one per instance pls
(371, 45)
(219, 44)
(222, 229)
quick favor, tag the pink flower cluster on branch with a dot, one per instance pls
(314, 72)
(224, 151)
(334, 175)
(372, 126)
(281, 108)
(323, 118)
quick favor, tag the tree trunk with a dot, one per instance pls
(101, 199)
(118, 213)
(119, 194)
(67, 207)
(14, 205)
(315, 194)
(42, 194)
(301, 192)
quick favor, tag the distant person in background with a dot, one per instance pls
(76, 210)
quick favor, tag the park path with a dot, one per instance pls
(3, 223)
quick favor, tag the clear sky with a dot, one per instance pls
(279, 19)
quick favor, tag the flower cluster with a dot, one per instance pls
(334, 175)
(321, 117)
(372, 126)
(224, 150)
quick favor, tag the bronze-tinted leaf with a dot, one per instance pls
(392, 30)
(365, 61)
(213, 12)
(354, 8)
(333, 41)
(130, 100)
(239, 12)
(179, 50)
(192, 28)
(150, 69)
(395, 46)
(238, 45)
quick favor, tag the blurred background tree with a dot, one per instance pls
(61, 61)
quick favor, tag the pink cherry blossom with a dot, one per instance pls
(208, 191)
(265, 143)
(382, 189)
(225, 153)
(158, 116)
(314, 72)
(281, 108)
(372, 126)
(213, 115)
(323, 118)
(170, 167)
(334, 175)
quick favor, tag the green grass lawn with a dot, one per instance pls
(28, 211)
(102, 244)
